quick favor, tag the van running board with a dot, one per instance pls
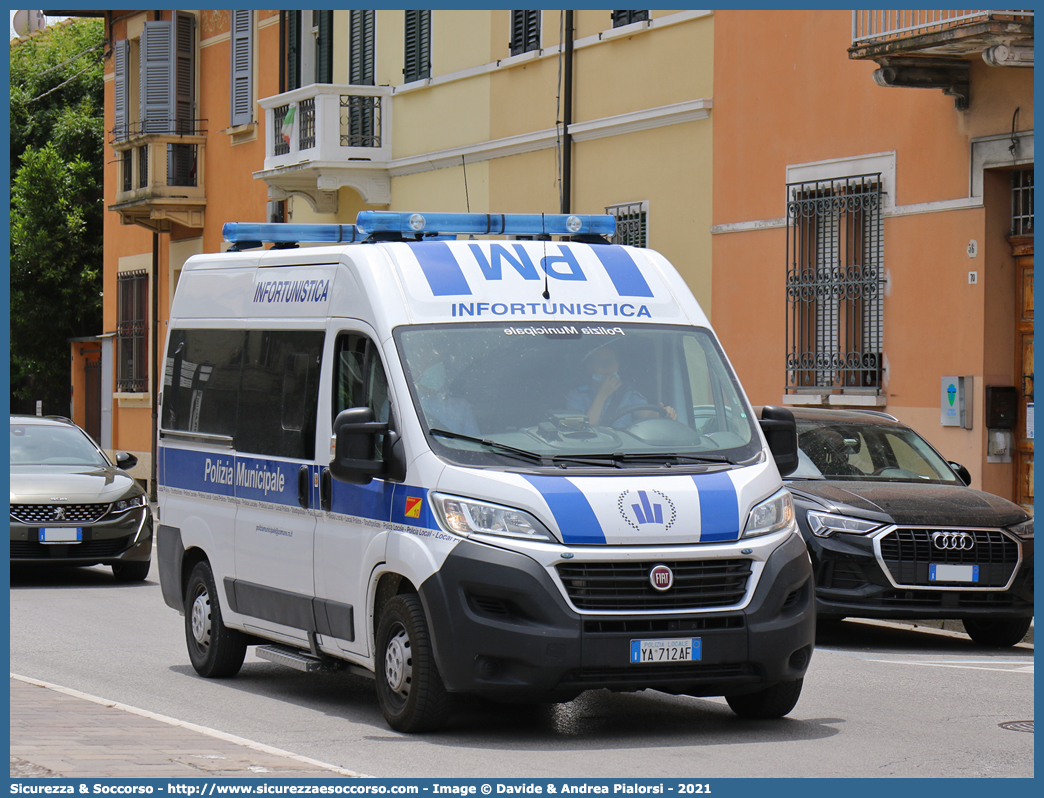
(303, 661)
(298, 660)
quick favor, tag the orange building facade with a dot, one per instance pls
(873, 234)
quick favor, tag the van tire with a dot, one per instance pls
(409, 687)
(997, 632)
(772, 702)
(216, 651)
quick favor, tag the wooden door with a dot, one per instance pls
(1022, 247)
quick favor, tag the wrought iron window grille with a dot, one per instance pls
(631, 223)
(282, 146)
(132, 327)
(360, 121)
(1022, 202)
(306, 125)
(835, 282)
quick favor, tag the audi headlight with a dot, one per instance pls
(824, 525)
(772, 515)
(1023, 530)
(127, 504)
(465, 517)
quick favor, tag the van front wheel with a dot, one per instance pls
(215, 650)
(409, 687)
(772, 702)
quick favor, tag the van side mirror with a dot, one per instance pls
(355, 449)
(126, 460)
(962, 473)
(781, 433)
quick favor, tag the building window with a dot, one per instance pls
(361, 48)
(632, 221)
(418, 46)
(1022, 202)
(132, 328)
(242, 103)
(834, 286)
(525, 31)
(621, 18)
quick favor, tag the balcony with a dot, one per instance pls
(930, 49)
(159, 179)
(337, 136)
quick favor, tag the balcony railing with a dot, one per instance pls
(160, 174)
(872, 27)
(330, 124)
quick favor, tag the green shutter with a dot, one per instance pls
(361, 48)
(324, 48)
(418, 46)
(293, 51)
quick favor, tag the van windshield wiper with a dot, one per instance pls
(620, 459)
(503, 448)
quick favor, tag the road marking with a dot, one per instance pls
(220, 735)
(1005, 666)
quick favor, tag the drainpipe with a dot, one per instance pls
(156, 377)
(567, 117)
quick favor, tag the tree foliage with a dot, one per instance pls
(57, 202)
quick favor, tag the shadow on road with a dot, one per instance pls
(59, 577)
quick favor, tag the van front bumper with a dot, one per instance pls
(501, 628)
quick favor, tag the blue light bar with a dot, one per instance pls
(291, 233)
(515, 224)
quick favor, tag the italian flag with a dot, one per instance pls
(288, 124)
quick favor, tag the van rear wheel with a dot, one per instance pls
(772, 702)
(216, 651)
(409, 687)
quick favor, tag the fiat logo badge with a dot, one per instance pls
(661, 577)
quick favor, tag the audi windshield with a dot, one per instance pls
(577, 395)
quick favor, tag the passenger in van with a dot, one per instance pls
(605, 395)
(442, 410)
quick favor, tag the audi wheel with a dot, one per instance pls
(997, 633)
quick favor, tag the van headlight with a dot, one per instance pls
(772, 515)
(466, 517)
(823, 525)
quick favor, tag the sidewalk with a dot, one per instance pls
(57, 733)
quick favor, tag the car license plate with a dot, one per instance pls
(61, 534)
(953, 573)
(687, 649)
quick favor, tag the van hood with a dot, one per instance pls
(910, 502)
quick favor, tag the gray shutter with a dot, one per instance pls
(185, 73)
(242, 57)
(121, 55)
(156, 90)
(361, 48)
(293, 53)
(324, 48)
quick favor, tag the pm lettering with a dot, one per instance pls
(559, 266)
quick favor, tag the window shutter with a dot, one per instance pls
(157, 79)
(242, 77)
(361, 48)
(184, 72)
(120, 56)
(525, 31)
(418, 46)
(293, 52)
(324, 48)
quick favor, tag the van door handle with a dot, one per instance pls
(326, 490)
(303, 486)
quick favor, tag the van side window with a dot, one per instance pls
(279, 393)
(360, 381)
(201, 381)
(260, 388)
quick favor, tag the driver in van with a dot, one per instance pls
(442, 410)
(605, 395)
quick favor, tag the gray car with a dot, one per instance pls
(71, 506)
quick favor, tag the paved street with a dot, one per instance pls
(879, 700)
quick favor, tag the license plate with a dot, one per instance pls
(953, 573)
(61, 534)
(687, 649)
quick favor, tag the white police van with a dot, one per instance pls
(520, 467)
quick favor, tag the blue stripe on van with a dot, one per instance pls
(572, 511)
(623, 271)
(719, 507)
(440, 269)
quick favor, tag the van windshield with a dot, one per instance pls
(568, 394)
